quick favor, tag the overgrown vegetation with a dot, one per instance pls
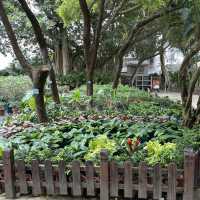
(83, 140)
(78, 132)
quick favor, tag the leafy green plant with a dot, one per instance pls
(158, 153)
(29, 101)
(99, 143)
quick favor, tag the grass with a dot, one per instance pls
(13, 88)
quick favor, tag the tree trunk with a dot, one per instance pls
(197, 113)
(54, 87)
(66, 55)
(39, 80)
(189, 117)
(134, 73)
(13, 40)
(90, 82)
(165, 74)
(118, 73)
(43, 48)
(58, 60)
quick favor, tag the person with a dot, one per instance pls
(156, 86)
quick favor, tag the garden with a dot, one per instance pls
(81, 112)
(131, 124)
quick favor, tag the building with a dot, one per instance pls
(148, 74)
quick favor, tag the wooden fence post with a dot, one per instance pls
(189, 162)
(197, 169)
(104, 176)
(197, 176)
(9, 173)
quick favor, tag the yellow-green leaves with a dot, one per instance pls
(158, 153)
(69, 10)
(96, 145)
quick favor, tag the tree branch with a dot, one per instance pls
(115, 14)
(97, 34)
(11, 35)
(37, 30)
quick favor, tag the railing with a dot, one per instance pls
(104, 182)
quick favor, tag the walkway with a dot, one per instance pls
(177, 97)
(2, 197)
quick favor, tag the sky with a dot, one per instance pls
(5, 61)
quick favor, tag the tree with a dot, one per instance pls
(136, 29)
(186, 37)
(43, 48)
(38, 76)
(91, 45)
(99, 17)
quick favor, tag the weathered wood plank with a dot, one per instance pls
(104, 176)
(49, 178)
(157, 182)
(142, 193)
(171, 195)
(9, 173)
(21, 171)
(62, 178)
(36, 188)
(90, 179)
(128, 180)
(188, 174)
(114, 180)
(76, 175)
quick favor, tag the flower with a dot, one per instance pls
(129, 141)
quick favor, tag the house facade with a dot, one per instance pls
(148, 74)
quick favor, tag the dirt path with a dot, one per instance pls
(174, 96)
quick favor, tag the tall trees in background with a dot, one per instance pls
(38, 76)
(131, 38)
(43, 48)
(186, 37)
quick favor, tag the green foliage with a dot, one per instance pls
(99, 143)
(83, 140)
(74, 79)
(69, 10)
(158, 153)
(13, 88)
(29, 101)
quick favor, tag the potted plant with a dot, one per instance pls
(2, 109)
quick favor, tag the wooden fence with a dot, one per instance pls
(104, 182)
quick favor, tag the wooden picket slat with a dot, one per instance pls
(21, 171)
(128, 180)
(36, 187)
(90, 179)
(49, 178)
(104, 176)
(171, 195)
(9, 173)
(142, 192)
(114, 182)
(188, 174)
(62, 178)
(157, 182)
(76, 184)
